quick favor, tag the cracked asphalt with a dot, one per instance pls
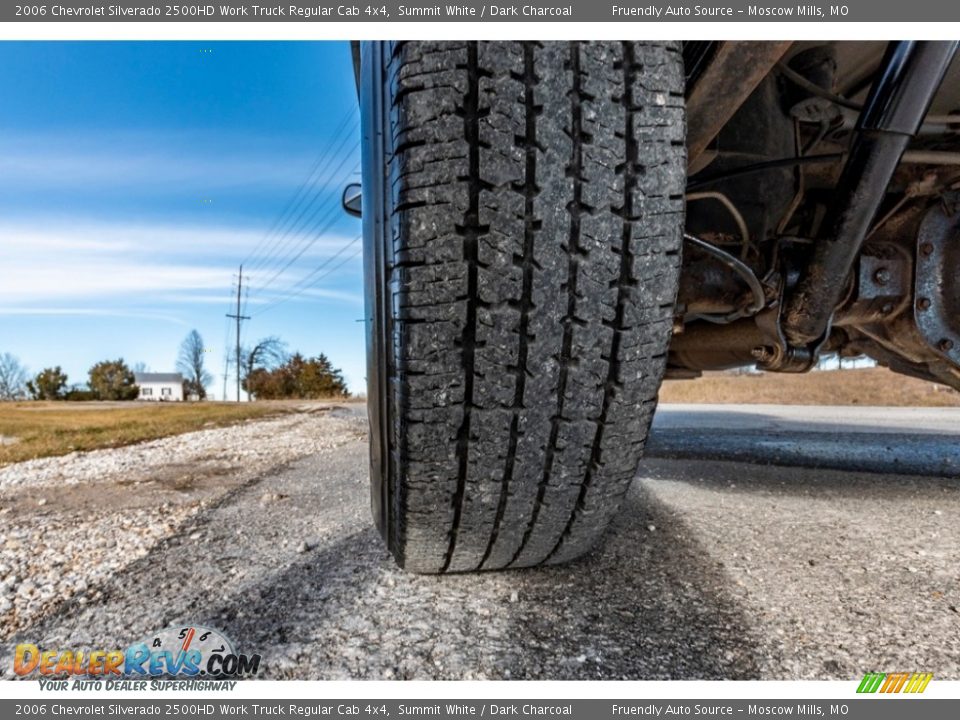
(770, 564)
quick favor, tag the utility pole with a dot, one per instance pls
(226, 366)
(239, 318)
(226, 361)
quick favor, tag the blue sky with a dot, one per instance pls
(136, 177)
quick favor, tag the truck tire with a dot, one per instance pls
(523, 216)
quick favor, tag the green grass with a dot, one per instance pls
(46, 429)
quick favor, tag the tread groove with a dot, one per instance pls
(472, 231)
(530, 227)
(575, 171)
(625, 282)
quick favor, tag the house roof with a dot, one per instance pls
(141, 378)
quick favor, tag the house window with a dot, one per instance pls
(146, 392)
(166, 392)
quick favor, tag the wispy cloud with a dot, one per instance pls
(223, 299)
(158, 162)
(171, 240)
(92, 312)
(136, 177)
(89, 259)
(26, 282)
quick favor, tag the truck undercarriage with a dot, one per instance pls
(822, 207)
(550, 229)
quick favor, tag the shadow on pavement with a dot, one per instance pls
(646, 605)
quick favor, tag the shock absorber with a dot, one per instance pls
(898, 101)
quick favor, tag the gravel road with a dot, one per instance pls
(712, 570)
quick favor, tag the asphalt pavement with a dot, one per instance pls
(911, 441)
(769, 565)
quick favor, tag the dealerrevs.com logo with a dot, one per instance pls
(190, 651)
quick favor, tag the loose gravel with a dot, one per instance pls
(70, 523)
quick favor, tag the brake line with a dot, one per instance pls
(742, 270)
(734, 213)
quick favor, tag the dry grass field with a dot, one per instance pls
(864, 386)
(41, 429)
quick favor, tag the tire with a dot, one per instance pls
(523, 216)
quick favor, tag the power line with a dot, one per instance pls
(307, 279)
(320, 182)
(288, 239)
(313, 284)
(321, 156)
(316, 282)
(299, 219)
(309, 223)
(328, 221)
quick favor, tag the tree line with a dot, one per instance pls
(268, 372)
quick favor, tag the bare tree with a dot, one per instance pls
(13, 378)
(267, 354)
(190, 363)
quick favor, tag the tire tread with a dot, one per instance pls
(537, 195)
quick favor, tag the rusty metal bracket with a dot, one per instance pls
(734, 72)
(884, 281)
(937, 305)
(780, 356)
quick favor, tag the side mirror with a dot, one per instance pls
(352, 200)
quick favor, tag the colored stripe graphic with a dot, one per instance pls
(871, 682)
(901, 681)
(919, 682)
(863, 683)
(888, 683)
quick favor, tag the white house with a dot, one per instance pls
(160, 387)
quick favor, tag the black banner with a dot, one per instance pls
(301, 11)
(876, 708)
